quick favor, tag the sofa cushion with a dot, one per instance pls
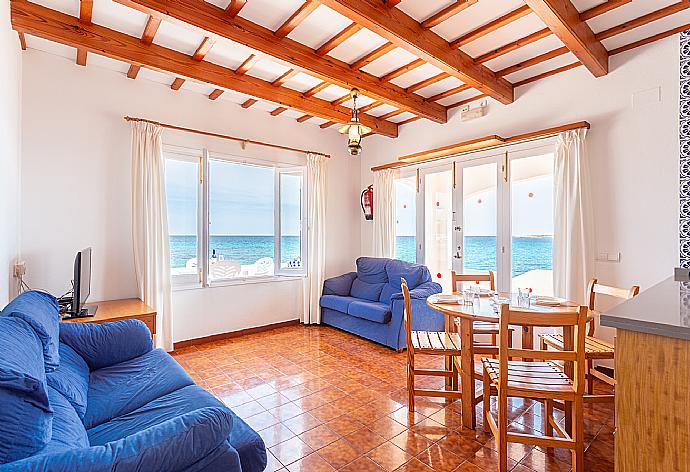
(41, 311)
(244, 439)
(25, 414)
(372, 270)
(336, 302)
(366, 291)
(71, 379)
(68, 430)
(119, 389)
(387, 292)
(373, 311)
(414, 274)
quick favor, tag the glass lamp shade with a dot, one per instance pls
(354, 130)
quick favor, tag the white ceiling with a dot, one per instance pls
(323, 23)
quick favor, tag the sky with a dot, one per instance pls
(242, 199)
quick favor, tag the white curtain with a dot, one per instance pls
(384, 213)
(316, 237)
(150, 227)
(572, 241)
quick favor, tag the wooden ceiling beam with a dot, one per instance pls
(391, 3)
(391, 114)
(650, 39)
(550, 73)
(86, 16)
(341, 100)
(215, 94)
(211, 18)
(644, 19)
(448, 12)
(338, 39)
(150, 30)
(199, 54)
(304, 118)
(234, 7)
(513, 46)
(563, 19)
(22, 41)
(603, 8)
(372, 56)
(541, 34)
(280, 81)
(34, 19)
(491, 26)
(426, 82)
(397, 27)
(402, 70)
(249, 103)
(278, 111)
(296, 18)
(241, 70)
(371, 106)
(449, 93)
(316, 89)
(327, 124)
(466, 101)
(533, 61)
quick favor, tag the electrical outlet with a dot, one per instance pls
(20, 269)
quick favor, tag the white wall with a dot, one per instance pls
(633, 153)
(10, 140)
(76, 186)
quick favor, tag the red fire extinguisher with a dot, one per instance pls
(367, 202)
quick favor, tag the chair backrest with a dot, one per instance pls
(596, 288)
(407, 315)
(488, 276)
(577, 318)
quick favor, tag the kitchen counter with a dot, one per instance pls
(662, 310)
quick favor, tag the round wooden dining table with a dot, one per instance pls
(488, 312)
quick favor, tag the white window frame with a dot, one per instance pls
(504, 224)
(203, 157)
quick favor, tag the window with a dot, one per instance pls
(246, 217)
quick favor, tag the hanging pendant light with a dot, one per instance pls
(354, 129)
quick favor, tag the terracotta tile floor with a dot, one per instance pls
(326, 400)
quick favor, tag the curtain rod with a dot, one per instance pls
(225, 136)
(475, 145)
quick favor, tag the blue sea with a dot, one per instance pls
(243, 249)
(529, 253)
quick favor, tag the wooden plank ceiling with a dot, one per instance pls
(411, 59)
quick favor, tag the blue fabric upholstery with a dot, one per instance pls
(340, 285)
(337, 302)
(144, 412)
(380, 318)
(366, 290)
(372, 270)
(373, 311)
(106, 344)
(71, 379)
(25, 414)
(68, 430)
(122, 388)
(175, 444)
(41, 311)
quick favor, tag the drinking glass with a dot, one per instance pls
(476, 304)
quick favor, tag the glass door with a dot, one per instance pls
(531, 219)
(437, 188)
(476, 220)
(406, 218)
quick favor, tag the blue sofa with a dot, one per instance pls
(96, 397)
(369, 302)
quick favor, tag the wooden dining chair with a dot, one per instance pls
(480, 327)
(594, 348)
(428, 343)
(542, 380)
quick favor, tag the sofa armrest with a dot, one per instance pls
(421, 292)
(340, 285)
(174, 444)
(106, 344)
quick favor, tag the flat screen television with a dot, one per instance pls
(82, 284)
